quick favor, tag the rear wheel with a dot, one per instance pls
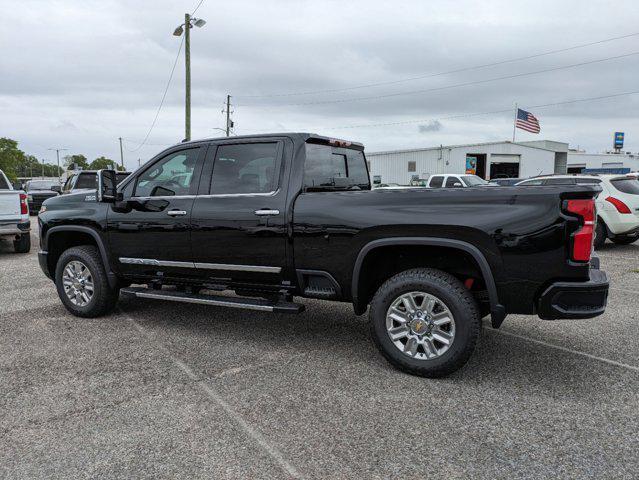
(22, 244)
(82, 283)
(624, 239)
(425, 322)
(600, 234)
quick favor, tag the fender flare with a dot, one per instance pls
(112, 278)
(497, 311)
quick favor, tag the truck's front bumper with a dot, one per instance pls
(575, 299)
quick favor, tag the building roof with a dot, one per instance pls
(520, 144)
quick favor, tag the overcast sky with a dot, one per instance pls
(80, 74)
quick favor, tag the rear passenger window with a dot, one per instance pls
(329, 167)
(437, 182)
(246, 168)
(453, 182)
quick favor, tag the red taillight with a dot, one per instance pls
(619, 205)
(24, 208)
(582, 238)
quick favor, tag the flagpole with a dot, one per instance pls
(515, 121)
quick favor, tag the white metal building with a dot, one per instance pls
(492, 160)
(577, 161)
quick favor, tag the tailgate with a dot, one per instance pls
(9, 205)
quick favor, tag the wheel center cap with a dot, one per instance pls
(419, 326)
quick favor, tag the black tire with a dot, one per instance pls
(22, 244)
(104, 297)
(601, 233)
(624, 239)
(459, 301)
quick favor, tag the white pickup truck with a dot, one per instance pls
(14, 216)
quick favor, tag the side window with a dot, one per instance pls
(437, 182)
(451, 181)
(168, 177)
(246, 168)
(68, 185)
(531, 182)
(332, 167)
(560, 181)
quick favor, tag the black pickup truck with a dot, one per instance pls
(272, 217)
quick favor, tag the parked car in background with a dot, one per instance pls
(456, 181)
(38, 191)
(391, 186)
(14, 216)
(617, 204)
(86, 180)
(505, 182)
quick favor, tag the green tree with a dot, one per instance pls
(103, 162)
(10, 157)
(78, 159)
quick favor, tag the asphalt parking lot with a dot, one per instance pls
(163, 390)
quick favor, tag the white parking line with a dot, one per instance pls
(569, 350)
(273, 452)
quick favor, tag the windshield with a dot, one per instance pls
(473, 180)
(39, 185)
(627, 185)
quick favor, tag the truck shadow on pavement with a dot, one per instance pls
(330, 336)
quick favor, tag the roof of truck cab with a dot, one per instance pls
(302, 136)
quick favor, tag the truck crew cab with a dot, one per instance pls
(272, 217)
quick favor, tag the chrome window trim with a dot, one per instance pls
(211, 195)
(206, 266)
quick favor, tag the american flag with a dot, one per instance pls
(527, 121)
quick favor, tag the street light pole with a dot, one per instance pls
(57, 154)
(187, 65)
(186, 29)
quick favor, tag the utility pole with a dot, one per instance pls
(121, 154)
(228, 115)
(187, 65)
(57, 154)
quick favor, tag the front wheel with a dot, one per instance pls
(624, 239)
(82, 283)
(425, 322)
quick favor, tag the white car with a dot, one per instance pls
(14, 216)
(456, 181)
(617, 204)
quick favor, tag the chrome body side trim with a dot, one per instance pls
(206, 266)
(239, 268)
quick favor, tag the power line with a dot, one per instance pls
(177, 57)
(448, 72)
(475, 114)
(446, 87)
(198, 6)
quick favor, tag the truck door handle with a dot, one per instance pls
(176, 213)
(264, 212)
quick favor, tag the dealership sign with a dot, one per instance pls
(619, 140)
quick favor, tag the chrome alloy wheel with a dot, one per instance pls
(78, 283)
(420, 325)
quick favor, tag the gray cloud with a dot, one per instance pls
(101, 66)
(433, 126)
